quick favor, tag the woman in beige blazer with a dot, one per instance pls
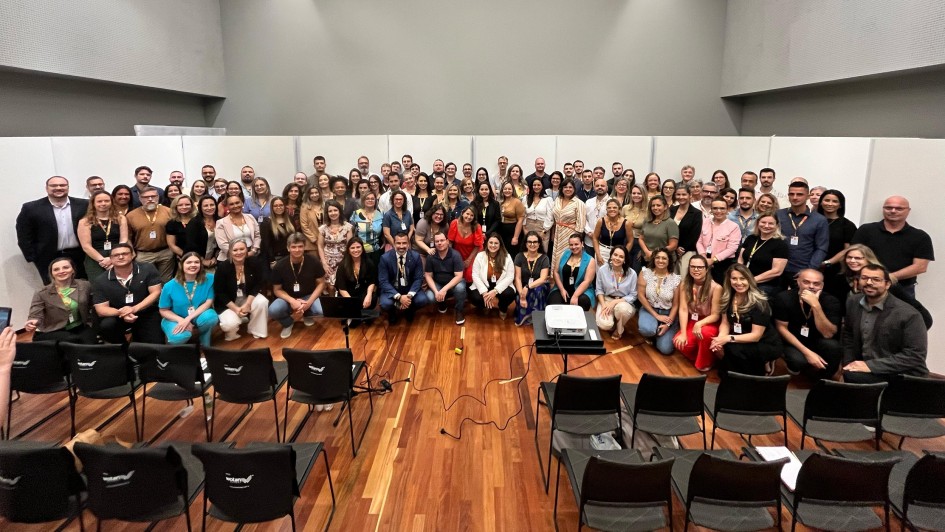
(62, 310)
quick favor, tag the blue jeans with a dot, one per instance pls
(280, 311)
(647, 326)
(458, 292)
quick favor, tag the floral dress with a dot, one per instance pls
(335, 240)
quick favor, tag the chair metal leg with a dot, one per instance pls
(275, 409)
(354, 451)
(285, 419)
(144, 406)
(537, 444)
(331, 488)
(203, 520)
(551, 449)
(703, 431)
(712, 446)
(557, 483)
(134, 411)
(298, 430)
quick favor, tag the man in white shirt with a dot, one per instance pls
(595, 209)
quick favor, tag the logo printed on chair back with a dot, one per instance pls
(315, 370)
(238, 483)
(86, 366)
(20, 364)
(116, 481)
(9, 483)
(161, 365)
(230, 370)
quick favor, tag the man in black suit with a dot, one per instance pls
(46, 228)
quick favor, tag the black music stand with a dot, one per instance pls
(590, 344)
(346, 309)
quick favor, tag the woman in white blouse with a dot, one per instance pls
(719, 240)
(493, 274)
(236, 225)
(616, 292)
(538, 213)
(659, 300)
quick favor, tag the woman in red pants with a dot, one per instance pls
(698, 314)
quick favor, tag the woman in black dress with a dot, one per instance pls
(747, 342)
(357, 278)
(841, 234)
(765, 254)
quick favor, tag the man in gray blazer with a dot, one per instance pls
(882, 336)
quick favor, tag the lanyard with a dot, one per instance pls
(756, 247)
(108, 229)
(797, 226)
(294, 273)
(190, 294)
(402, 266)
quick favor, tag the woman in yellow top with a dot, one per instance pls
(512, 218)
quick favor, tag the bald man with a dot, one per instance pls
(539, 174)
(905, 250)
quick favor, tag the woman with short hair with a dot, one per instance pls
(368, 222)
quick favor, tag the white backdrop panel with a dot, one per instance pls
(632, 152)
(915, 168)
(427, 148)
(840, 163)
(708, 154)
(520, 149)
(271, 157)
(341, 152)
(115, 159)
(28, 162)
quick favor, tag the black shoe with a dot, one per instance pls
(460, 317)
(393, 318)
(442, 308)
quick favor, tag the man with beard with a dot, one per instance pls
(126, 297)
(320, 164)
(142, 181)
(147, 226)
(364, 166)
(745, 216)
(46, 228)
(247, 175)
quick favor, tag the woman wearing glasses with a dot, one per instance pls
(699, 314)
(719, 240)
(532, 272)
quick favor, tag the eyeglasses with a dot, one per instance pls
(872, 280)
(149, 198)
(121, 254)
(697, 268)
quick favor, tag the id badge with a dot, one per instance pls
(403, 281)
(239, 292)
(191, 310)
(129, 298)
(107, 246)
(694, 316)
(403, 226)
(708, 251)
(71, 318)
(296, 288)
(794, 240)
(805, 331)
(532, 280)
(152, 235)
(737, 328)
(493, 280)
(259, 219)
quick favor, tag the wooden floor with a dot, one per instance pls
(481, 474)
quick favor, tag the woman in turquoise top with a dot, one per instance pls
(368, 221)
(574, 277)
(187, 303)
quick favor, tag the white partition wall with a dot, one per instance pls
(427, 148)
(915, 169)
(26, 164)
(341, 152)
(115, 159)
(708, 154)
(271, 157)
(521, 150)
(632, 152)
(840, 163)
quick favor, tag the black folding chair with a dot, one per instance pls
(244, 377)
(747, 404)
(726, 494)
(578, 405)
(137, 485)
(837, 411)
(40, 369)
(39, 484)
(320, 378)
(666, 406)
(258, 483)
(922, 505)
(102, 372)
(913, 407)
(617, 490)
(175, 374)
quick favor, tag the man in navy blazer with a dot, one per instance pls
(400, 275)
(46, 228)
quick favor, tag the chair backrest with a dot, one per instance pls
(323, 374)
(175, 364)
(587, 395)
(912, 396)
(830, 478)
(249, 485)
(36, 483)
(241, 375)
(845, 402)
(97, 367)
(924, 482)
(615, 483)
(128, 484)
(37, 366)
(669, 396)
(735, 481)
(751, 394)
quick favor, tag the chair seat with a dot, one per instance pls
(55, 387)
(834, 431)
(719, 516)
(306, 398)
(825, 516)
(578, 423)
(740, 423)
(913, 427)
(663, 425)
(167, 391)
(111, 393)
(685, 460)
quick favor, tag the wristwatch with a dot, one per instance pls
(731, 337)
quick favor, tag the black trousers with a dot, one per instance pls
(827, 348)
(79, 335)
(146, 329)
(506, 298)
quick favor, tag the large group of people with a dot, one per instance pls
(733, 278)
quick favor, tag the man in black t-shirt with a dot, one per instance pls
(125, 298)
(808, 321)
(297, 282)
(444, 274)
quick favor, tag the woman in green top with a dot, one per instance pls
(659, 230)
(62, 310)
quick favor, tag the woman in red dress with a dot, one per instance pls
(466, 237)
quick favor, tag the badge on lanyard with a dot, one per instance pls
(532, 280)
(708, 251)
(403, 281)
(296, 288)
(794, 240)
(129, 298)
(239, 292)
(191, 310)
(493, 279)
(805, 331)
(737, 328)
(107, 246)
(403, 226)
(694, 316)
(260, 219)
(71, 318)
(152, 235)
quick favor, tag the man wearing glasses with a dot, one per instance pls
(148, 235)
(45, 228)
(125, 298)
(883, 337)
(904, 249)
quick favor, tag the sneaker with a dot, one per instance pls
(308, 321)
(286, 332)
(460, 317)
(230, 336)
(256, 336)
(442, 308)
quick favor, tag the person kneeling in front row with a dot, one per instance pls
(493, 274)
(297, 281)
(126, 297)
(400, 277)
(616, 292)
(237, 284)
(187, 303)
(443, 272)
(808, 320)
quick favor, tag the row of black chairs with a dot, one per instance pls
(40, 482)
(618, 490)
(744, 404)
(178, 373)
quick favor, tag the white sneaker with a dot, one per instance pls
(230, 336)
(286, 332)
(308, 321)
(256, 336)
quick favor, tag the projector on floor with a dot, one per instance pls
(565, 320)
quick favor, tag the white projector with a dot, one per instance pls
(565, 320)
